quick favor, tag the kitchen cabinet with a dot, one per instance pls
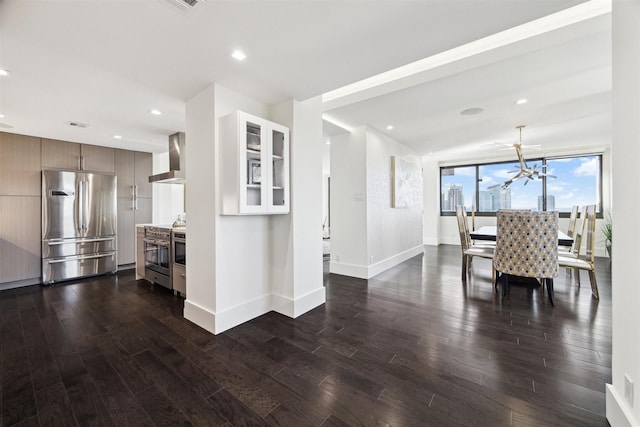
(133, 169)
(179, 279)
(139, 252)
(71, 156)
(20, 189)
(134, 199)
(255, 165)
(19, 165)
(20, 252)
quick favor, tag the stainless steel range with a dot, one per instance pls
(157, 255)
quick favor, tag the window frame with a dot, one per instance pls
(543, 160)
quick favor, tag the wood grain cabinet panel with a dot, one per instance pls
(60, 154)
(98, 159)
(125, 171)
(134, 199)
(143, 169)
(19, 238)
(19, 165)
(71, 156)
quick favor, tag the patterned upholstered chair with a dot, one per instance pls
(469, 250)
(588, 262)
(527, 246)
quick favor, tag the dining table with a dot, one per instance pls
(489, 232)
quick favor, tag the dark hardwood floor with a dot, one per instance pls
(412, 346)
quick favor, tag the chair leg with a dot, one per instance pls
(464, 267)
(505, 285)
(550, 290)
(497, 279)
(594, 284)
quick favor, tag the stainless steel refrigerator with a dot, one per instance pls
(79, 224)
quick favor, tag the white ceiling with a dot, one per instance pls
(106, 63)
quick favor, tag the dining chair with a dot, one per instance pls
(588, 262)
(470, 250)
(527, 246)
(578, 233)
(572, 220)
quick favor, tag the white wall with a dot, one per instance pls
(348, 202)
(368, 236)
(390, 231)
(431, 196)
(297, 284)
(168, 199)
(626, 205)
(200, 305)
(232, 261)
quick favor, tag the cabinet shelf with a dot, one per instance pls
(255, 181)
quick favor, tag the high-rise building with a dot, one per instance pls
(485, 204)
(501, 198)
(551, 203)
(454, 195)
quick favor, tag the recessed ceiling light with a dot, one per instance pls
(238, 55)
(4, 72)
(1, 116)
(390, 127)
(117, 136)
(155, 112)
(521, 101)
(472, 111)
(328, 142)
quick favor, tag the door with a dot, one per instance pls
(60, 207)
(98, 205)
(126, 232)
(97, 159)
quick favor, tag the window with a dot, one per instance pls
(479, 187)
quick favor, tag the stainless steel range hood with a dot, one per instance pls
(177, 161)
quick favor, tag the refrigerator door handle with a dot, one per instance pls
(79, 258)
(81, 201)
(78, 206)
(64, 242)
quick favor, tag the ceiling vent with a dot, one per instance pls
(184, 6)
(78, 124)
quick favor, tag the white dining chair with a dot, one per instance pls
(588, 261)
(577, 235)
(573, 216)
(469, 250)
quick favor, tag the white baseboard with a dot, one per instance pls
(392, 261)
(618, 413)
(350, 270)
(200, 316)
(367, 272)
(431, 241)
(241, 313)
(227, 319)
(449, 240)
(294, 308)
(19, 283)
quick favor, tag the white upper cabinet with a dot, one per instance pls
(255, 165)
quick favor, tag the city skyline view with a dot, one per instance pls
(577, 182)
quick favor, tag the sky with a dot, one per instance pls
(576, 182)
